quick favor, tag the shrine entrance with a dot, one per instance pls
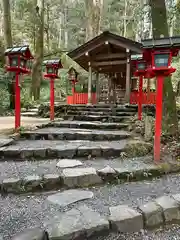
(107, 57)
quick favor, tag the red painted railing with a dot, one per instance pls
(80, 98)
(149, 98)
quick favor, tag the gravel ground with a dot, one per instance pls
(21, 169)
(169, 233)
(20, 212)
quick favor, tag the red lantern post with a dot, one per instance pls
(52, 67)
(73, 74)
(140, 72)
(18, 58)
(160, 53)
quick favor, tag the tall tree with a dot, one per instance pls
(160, 29)
(8, 43)
(39, 51)
(93, 17)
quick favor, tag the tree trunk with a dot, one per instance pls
(37, 64)
(8, 43)
(93, 16)
(160, 29)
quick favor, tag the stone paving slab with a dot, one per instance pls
(153, 214)
(69, 197)
(67, 163)
(80, 177)
(77, 223)
(35, 234)
(88, 125)
(97, 118)
(125, 219)
(74, 134)
(171, 208)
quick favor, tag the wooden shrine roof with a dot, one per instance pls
(106, 52)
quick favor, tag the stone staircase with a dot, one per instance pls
(91, 149)
(88, 149)
(32, 112)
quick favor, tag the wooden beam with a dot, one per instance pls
(108, 63)
(80, 54)
(125, 46)
(90, 85)
(109, 56)
(128, 79)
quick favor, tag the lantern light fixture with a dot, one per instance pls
(73, 74)
(18, 58)
(52, 67)
(17, 62)
(159, 52)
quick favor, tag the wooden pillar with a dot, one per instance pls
(97, 87)
(128, 77)
(109, 89)
(148, 91)
(90, 84)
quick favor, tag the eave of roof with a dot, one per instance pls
(105, 36)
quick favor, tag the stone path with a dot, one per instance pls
(86, 163)
(33, 112)
(20, 212)
(28, 176)
(88, 125)
(75, 134)
(98, 118)
(25, 149)
(7, 123)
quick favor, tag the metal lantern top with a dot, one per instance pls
(159, 53)
(140, 65)
(52, 67)
(18, 57)
(73, 74)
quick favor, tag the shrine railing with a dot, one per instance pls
(80, 98)
(148, 98)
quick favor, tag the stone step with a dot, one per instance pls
(30, 110)
(87, 113)
(29, 114)
(74, 134)
(83, 213)
(100, 109)
(29, 176)
(98, 118)
(41, 149)
(88, 125)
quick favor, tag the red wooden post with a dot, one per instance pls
(52, 99)
(158, 125)
(17, 102)
(148, 91)
(73, 91)
(140, 97)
